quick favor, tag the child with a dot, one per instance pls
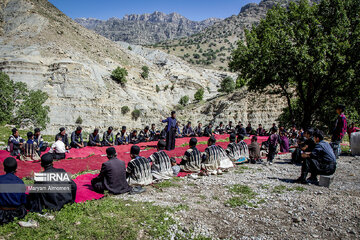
(174, 166)
(254, 151)
(273, 141)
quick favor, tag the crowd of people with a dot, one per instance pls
(308, 148)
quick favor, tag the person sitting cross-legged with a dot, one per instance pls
(188, 131)
(174, 167)
(12, 197)
(108, 137)
(58, 149)
(28, 149)
(191, 161)
(94, 139)
(138, 171)
(145, 135)
(321, 161)
(41, 145)
(15, 143)
(121, 137)
(244, 150)
(76, 138)
(233, 149)
(133, 137)
(64, 137)
(55, 200)
(112, 176)
(220, 129)
(161, 164)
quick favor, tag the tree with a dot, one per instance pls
(119, 75)
(125, 110)
(135, 114)
(199, 95)
(79, 120)
(158, 88)
(227, 85)
(19, 105)
(145, 72)
(184, 100)
(309, 54)
(129, 48)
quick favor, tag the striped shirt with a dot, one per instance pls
(161, 167)
(191, 161)
(244, 150)
(234, 151)
(139, 171)
(215, 157)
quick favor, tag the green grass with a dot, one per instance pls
(181, 207)
(281, 189)
(167, 184)
(244, 196)
(264, 186)
(241, 169)
(239, 201)
(108, 218)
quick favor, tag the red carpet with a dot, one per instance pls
(84, 189)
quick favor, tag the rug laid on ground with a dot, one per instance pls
(84, 190)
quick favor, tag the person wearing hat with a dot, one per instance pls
(121, 137)
(144, 135)
(12, 194)
(94, 138)
(108, 138)
(340, 129)
(64, 137)
(76, 138)
(233, 149)
(15, 143)
(54, 200)
(112, 176)
(161, 164)
(138, 171)
(28, 150)
(171, 131)
(191, 161)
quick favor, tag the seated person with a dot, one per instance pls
(94, 139)
(108, 138)
(307, 146)
(294, 131)
(188, 131)
(138, 171)
(208, 131)
(15, 143)
(254, 151)
(112, 176)
(241, 130)
(233, 149)
(163, 133)
(12, 202)
(198, 130)
(260, 131)
(351, 129)
(249, 129)
(214, 158)
(191, 161)
(58, 149)
(64, 137)
(274, 127)
(28, 149)
(178, 133)
(144, 135)
(121, 137)
(154, 135)
(293, 141)
(38, 201)
(41, 145)
(76, 138)
(220, 129)
(244, 150)
(175, 168)
(230, 128)
(161, 164)
(321, 160)
(133, 138)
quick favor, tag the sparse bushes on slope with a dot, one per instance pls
(125, 110)
(199, 95)
(184, 100)
(119, 75)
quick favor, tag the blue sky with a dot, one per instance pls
(192, 9)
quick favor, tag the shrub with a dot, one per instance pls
(184, 100)
(227, 85)
(172, 87)
(79, 120)
(119, 75)
(145, 72)
(130, 48)
(199, 95)
(125, 110)
(157, 88)
(135, 114)
(166, 87)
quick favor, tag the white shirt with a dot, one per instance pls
(58, 147)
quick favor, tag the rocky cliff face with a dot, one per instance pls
(146, 28)
(49, 51)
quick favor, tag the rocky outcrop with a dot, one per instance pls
(44, 48)
(146, 28)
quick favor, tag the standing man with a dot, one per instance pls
(339, 130)
(171, 131)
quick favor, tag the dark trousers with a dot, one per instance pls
(272, 153)
(336, 146)
(316, 168)
(170, 139)
(8, 215)
(98, 187)
(58, 156)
